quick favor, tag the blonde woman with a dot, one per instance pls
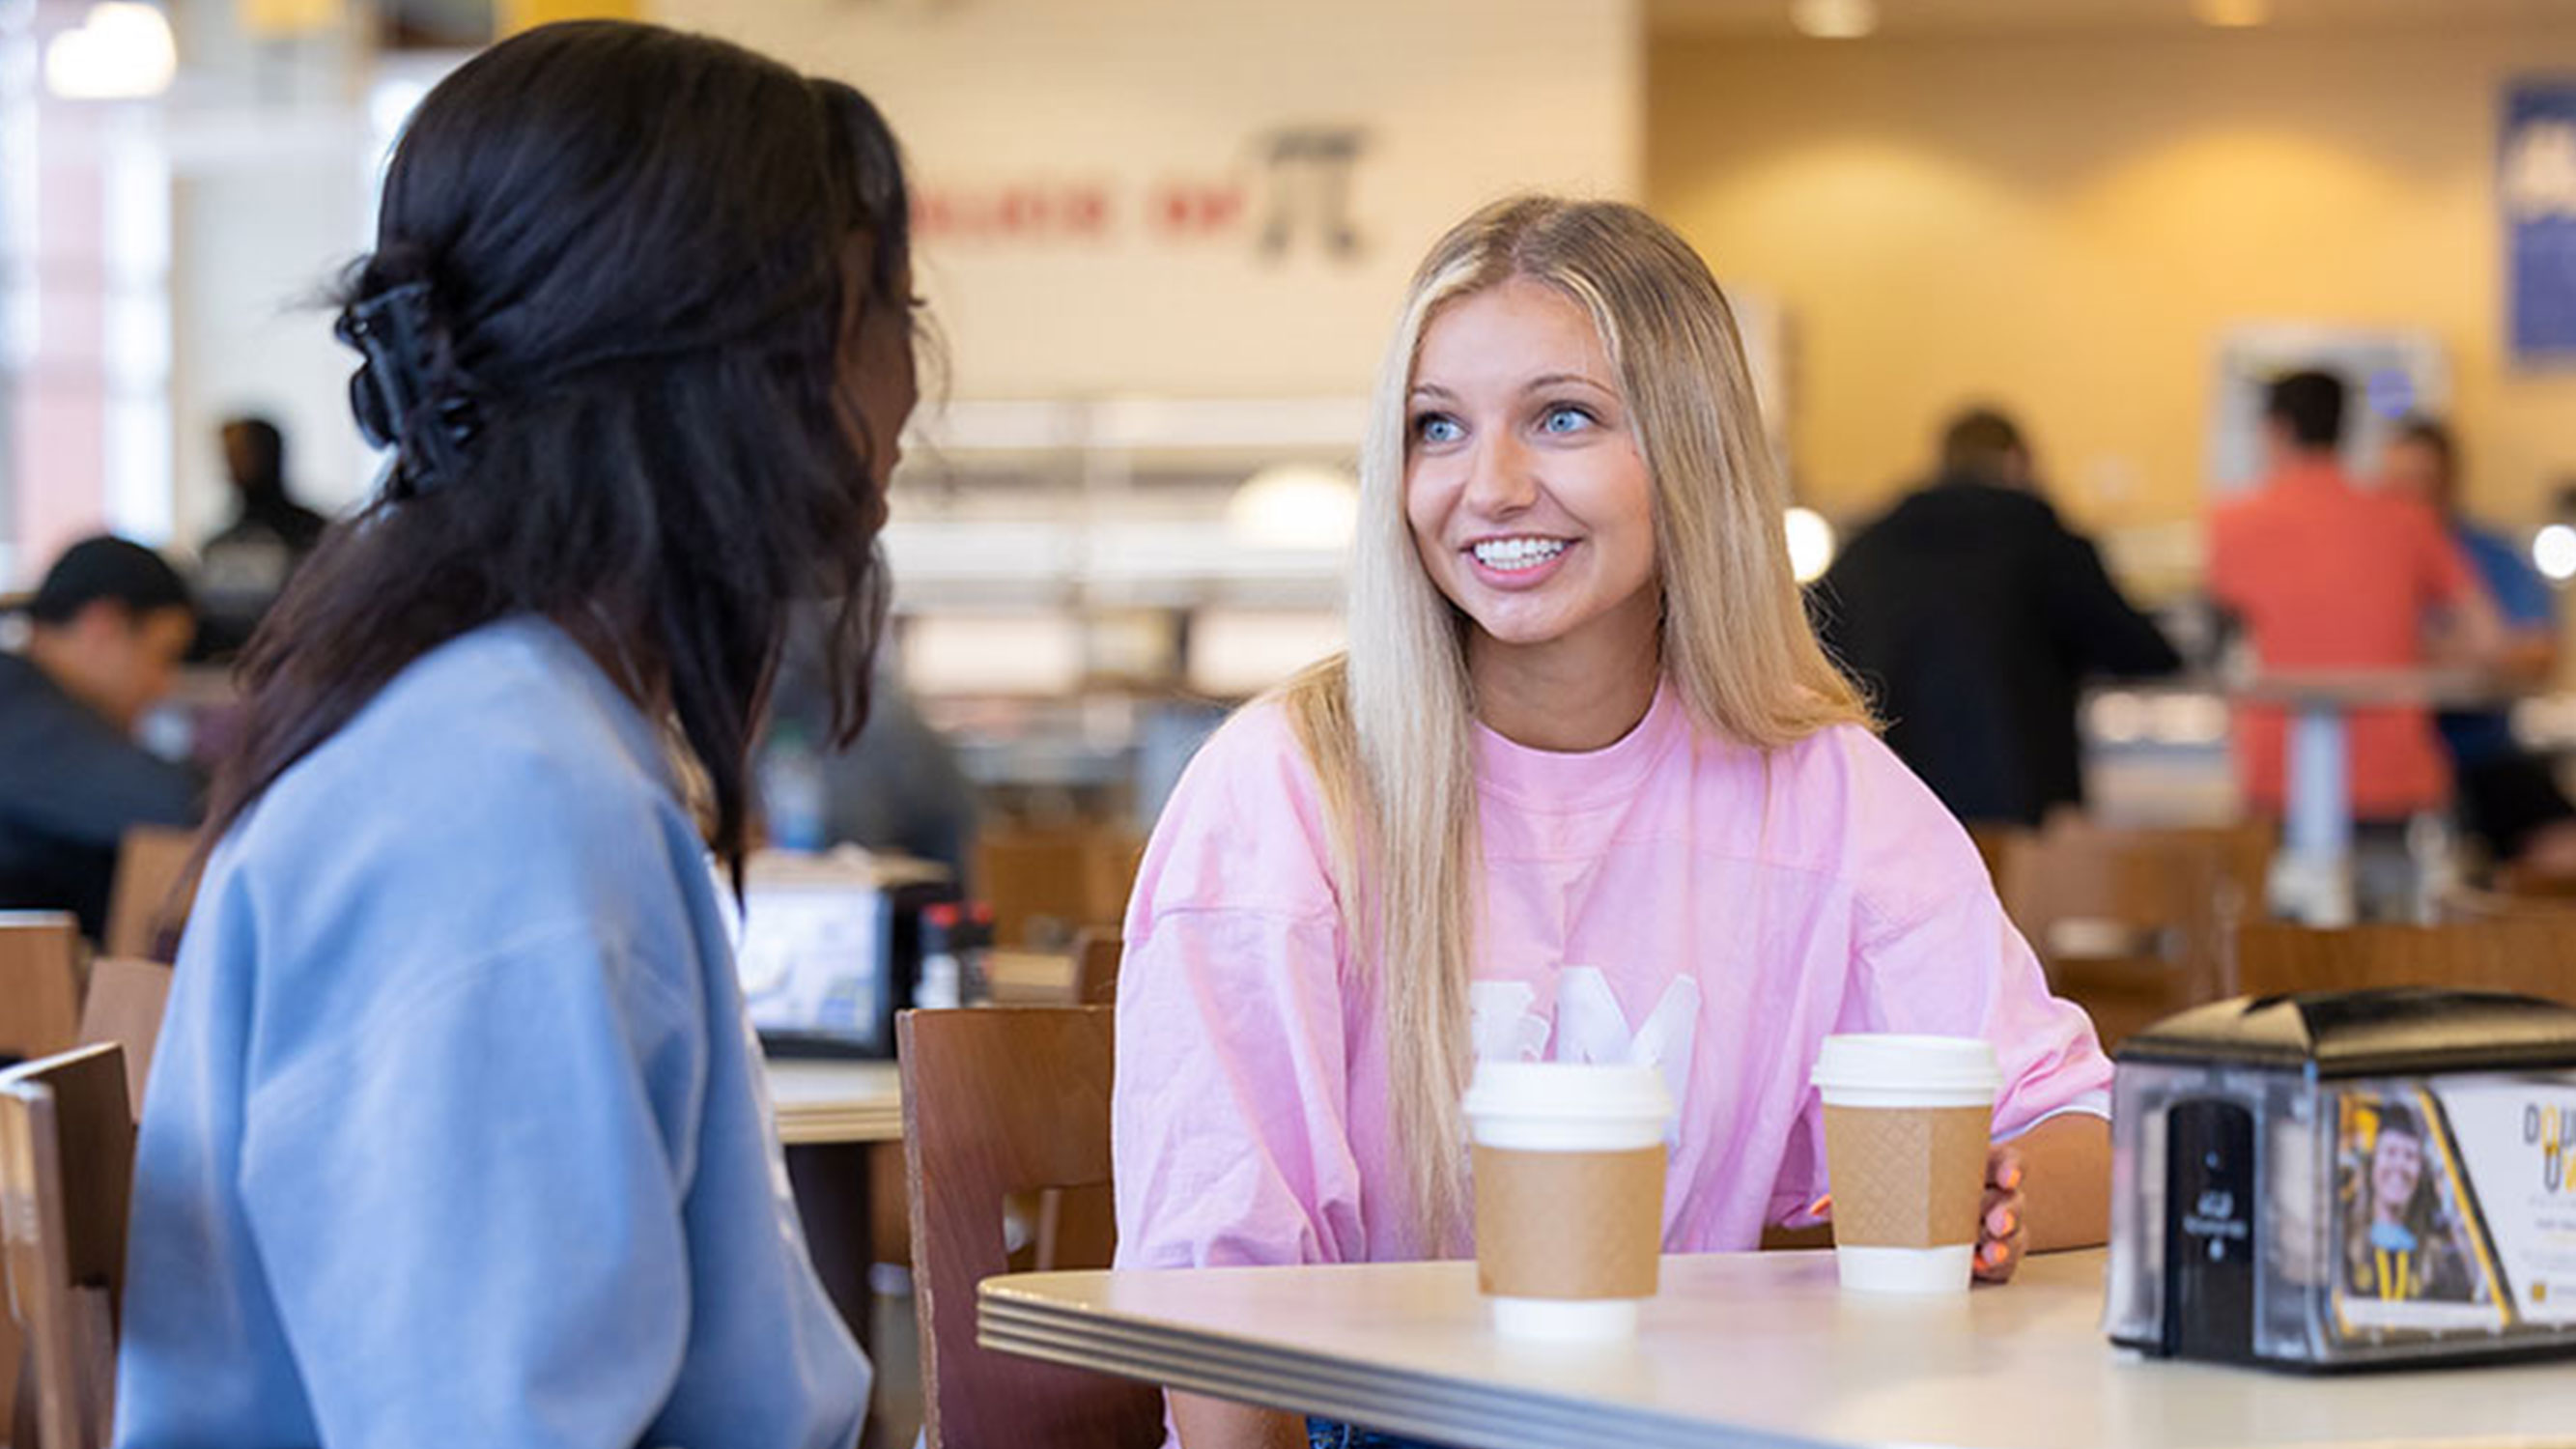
(1584, 789)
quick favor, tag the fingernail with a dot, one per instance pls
(1991, 1255)
(1821, 1206)
(2012, 1177)
(2012, 1220)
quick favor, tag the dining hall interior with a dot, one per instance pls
(954, 613)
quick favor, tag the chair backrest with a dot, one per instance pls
(155, 885)
(1096, 957)
(997, 1103)
(2531, 955)
(2135, 923)
(66, 1173)
(1046, 885)
(124, 1006)
(40, 961)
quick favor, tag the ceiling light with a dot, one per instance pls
(121, 51)
(1811, 544)
(1295, 506)
(1834, 19)
(2554, 552)
(2232, 14)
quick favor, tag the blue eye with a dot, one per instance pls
(1438, 428)
(1568, 419)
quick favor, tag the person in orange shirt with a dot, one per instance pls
(2326, 576)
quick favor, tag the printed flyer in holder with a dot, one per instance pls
(2454, 1209)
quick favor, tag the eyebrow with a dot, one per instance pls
(1554, 378)
(1543, 380)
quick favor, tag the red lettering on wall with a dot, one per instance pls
(1196, 209)
(1016, 211)
(1043, 211)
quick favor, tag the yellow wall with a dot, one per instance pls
(2068, 225)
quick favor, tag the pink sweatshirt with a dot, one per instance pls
(1673, 899)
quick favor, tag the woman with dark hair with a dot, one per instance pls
(456, 1135)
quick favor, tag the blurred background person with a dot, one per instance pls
(106, 630)
(2323, 575)
(243, 568)
(1973, 615)
(2510, 798)
(897, 789)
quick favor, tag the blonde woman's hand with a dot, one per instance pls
(2000, 1229)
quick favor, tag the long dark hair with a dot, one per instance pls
(630, 266)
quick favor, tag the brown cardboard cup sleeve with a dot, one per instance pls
(1906, 1177)
(1569, 1224)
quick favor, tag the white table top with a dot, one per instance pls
(1740, 1350)
(822, 1102)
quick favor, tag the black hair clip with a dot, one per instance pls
(396, 401)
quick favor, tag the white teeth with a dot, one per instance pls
(1517, 553)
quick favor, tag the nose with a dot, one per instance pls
(1500, 479)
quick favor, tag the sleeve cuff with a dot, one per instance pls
(2096, 1103)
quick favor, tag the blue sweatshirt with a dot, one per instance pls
(456, 1133)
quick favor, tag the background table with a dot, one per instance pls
(1741, 1350)
(831, 1101)
(2313, 882)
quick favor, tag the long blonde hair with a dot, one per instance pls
(1389, 727)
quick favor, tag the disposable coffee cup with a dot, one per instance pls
(1569, 1195)
(1906, 1126)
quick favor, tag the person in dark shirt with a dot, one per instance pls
(106, 631)
(1971, 615)
(242, 570)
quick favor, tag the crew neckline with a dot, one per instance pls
(1577, 778)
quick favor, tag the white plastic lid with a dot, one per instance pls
(1880, 1062)
(1569, 1091)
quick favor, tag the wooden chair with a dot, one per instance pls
(124, 1006)
(66, 1172)
(2135, 924)
(40, 965)
(1045, 885)
(1097, 954)
(156, 884)
(2530, 955)
(998, 1102)
(40, 994)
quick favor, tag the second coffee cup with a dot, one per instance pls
(1570, 1167)
(1906, 1126)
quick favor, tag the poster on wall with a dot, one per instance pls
(2536, 189)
